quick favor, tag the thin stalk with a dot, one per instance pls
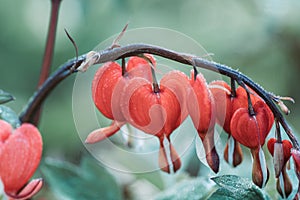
(233, 88)
(48, 53)
(123, 67)
(155, 83)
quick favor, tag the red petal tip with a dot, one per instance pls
(32, 188)
(102, 133)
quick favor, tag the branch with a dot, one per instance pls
(135, 49)
(48, 53)
(37, 99)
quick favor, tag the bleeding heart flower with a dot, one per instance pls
(224, 101)
(221, 93)
(227, 102)
(107, 88)
(201, 109)
(104, 83)
(154, 113)
(179, 84)
(281, 152)
(20, 155)
(157, 110)
(283, 148)
(251, 131)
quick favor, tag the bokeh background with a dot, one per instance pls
(261, 38)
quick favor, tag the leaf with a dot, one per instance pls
(223, 194)
(94, 172)
(188, 189)
(89, 181)
(9, 115)
(235, 187)
(5, 97)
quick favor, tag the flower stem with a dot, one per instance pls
(155, 83)
(48, 53)
(233, 88)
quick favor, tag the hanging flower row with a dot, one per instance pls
(131, 94)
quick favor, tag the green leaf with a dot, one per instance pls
(89, 181)
(188, 189)
(94, 172)
(5, 97)
(223, 194)
(235, 187)
(9, 115)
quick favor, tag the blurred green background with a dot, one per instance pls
(261, 38)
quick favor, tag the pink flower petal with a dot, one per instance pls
(29, 190)
(103, 133)
(20, 156)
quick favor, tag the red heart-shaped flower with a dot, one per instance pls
(281, 152)
(226, 103)
(157, 111)
(20, 155)
(200, 105)
(151, 112)
(251, 131)
(223, 103)
(103, 88)
(108, 84)
(286, 147)
(107, 88)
